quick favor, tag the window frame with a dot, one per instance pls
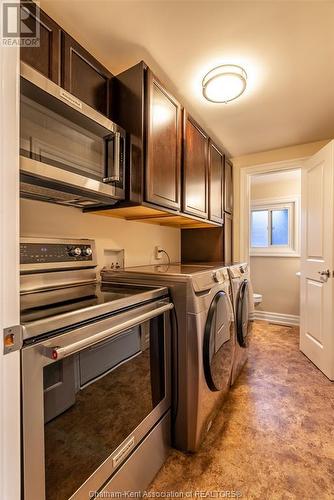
(292, 203)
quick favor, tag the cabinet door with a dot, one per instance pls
(163, 160)
(228, 239)
(216, 184)
(83, 76)
(46, 57)
(195, 173)
(228, 203)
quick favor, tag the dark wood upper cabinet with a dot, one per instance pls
(195, 168)
(228, 187)
(152, 118)
(128, 110)
(46, 57)
(63, 60)
(163, 146)
(216, 184)
(83, 76)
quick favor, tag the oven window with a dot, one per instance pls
(95, 399)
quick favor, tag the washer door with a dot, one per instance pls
(218, 343)
(242, 314)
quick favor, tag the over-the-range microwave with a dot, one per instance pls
(69, 153)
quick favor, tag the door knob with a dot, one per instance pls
(325, 275)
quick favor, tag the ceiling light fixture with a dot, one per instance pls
(224, 83)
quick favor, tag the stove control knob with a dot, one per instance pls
(87, 252)
(75, 252)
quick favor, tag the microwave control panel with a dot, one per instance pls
(39, 253)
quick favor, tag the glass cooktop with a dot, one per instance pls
(48, 310)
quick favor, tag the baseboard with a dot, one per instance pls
(277, 318)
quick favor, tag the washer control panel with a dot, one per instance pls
(208, 279)
(220, 275)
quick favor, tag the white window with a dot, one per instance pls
(274, 227)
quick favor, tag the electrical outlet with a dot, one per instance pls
(157, 254)
(113, 258)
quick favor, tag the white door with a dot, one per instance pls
(317, 266)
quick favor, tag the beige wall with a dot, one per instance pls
(283, 186)
(138, 239)
(281, 154)
(275, 277)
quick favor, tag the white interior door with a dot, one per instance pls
(317, 266)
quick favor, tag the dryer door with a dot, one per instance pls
(218, 343)
(243, 324)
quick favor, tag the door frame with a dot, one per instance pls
(245, 197)
(10, 433)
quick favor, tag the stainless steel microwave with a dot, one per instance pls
(69, 153)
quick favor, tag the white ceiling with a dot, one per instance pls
(286, 47)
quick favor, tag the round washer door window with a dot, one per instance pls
(242, 314)
(218, 343)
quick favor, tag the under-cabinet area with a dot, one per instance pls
(166, 270)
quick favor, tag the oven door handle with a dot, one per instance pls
(59, 352)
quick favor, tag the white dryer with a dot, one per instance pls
(243, 306)
(203, 343)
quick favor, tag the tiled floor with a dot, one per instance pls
(274, 438)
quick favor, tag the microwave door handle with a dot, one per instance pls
(56, 353)
(115, 177)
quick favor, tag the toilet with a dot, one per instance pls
(257, 299)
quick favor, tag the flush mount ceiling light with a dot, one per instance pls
(224, 83)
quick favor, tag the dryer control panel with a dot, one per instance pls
(239, 270)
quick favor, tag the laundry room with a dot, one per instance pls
(167, 262)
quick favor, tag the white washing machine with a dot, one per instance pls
(243, 306)
(203, 342)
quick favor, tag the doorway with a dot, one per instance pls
(317, 257)
(274, 244)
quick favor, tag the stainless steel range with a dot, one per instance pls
(95, 375)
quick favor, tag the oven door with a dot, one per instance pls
(90, 396)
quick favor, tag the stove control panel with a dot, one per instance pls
(56, 253)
